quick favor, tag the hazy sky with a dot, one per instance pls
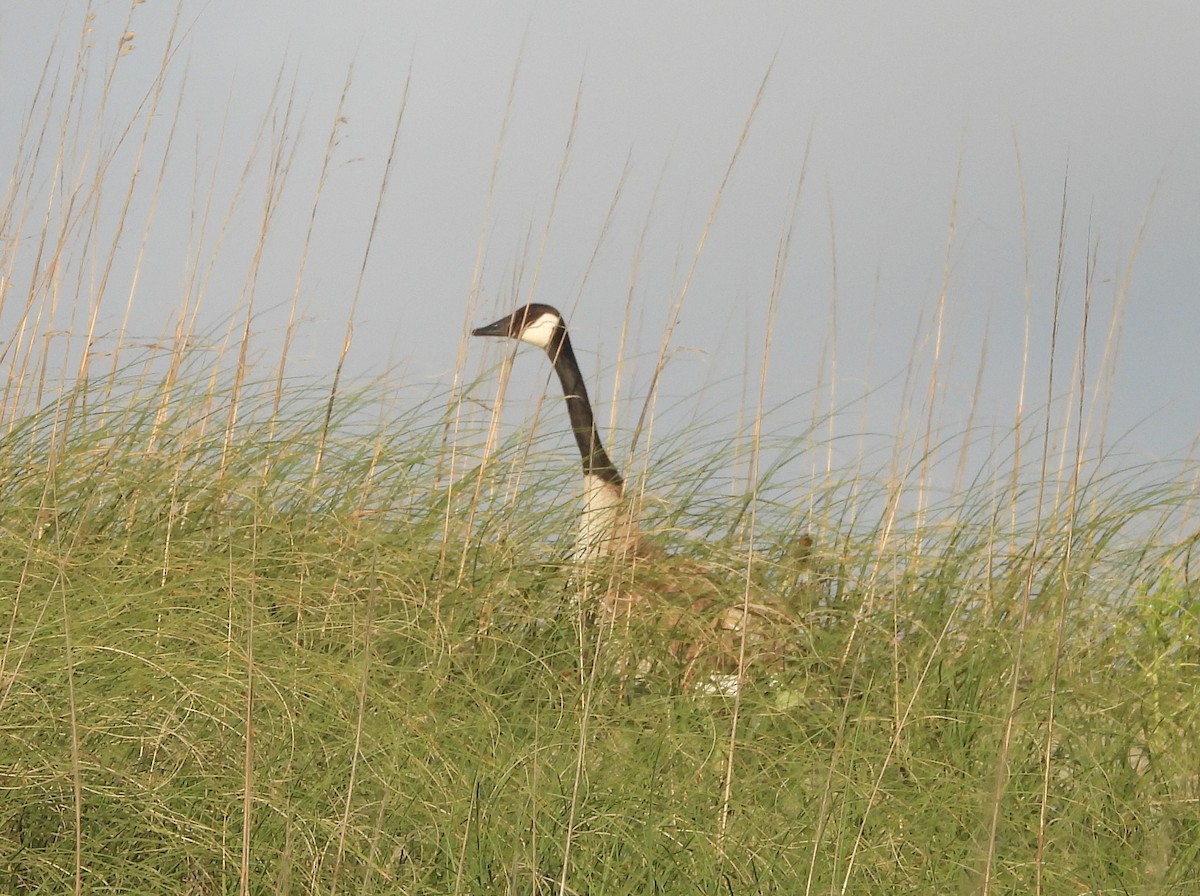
(912, 115)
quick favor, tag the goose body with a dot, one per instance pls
(704, 628)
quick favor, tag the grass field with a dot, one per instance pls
(267, 636)
(217, 669)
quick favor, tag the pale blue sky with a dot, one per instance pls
(897, 101)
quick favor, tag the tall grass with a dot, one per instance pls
(273, 636)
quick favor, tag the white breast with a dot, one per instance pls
(605, 528)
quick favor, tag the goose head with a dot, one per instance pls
(539, 325)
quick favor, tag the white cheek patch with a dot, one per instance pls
(540, 331)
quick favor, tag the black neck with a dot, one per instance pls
(596, 461)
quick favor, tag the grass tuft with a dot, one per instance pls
(179, 607)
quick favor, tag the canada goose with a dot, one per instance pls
(705, 627)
